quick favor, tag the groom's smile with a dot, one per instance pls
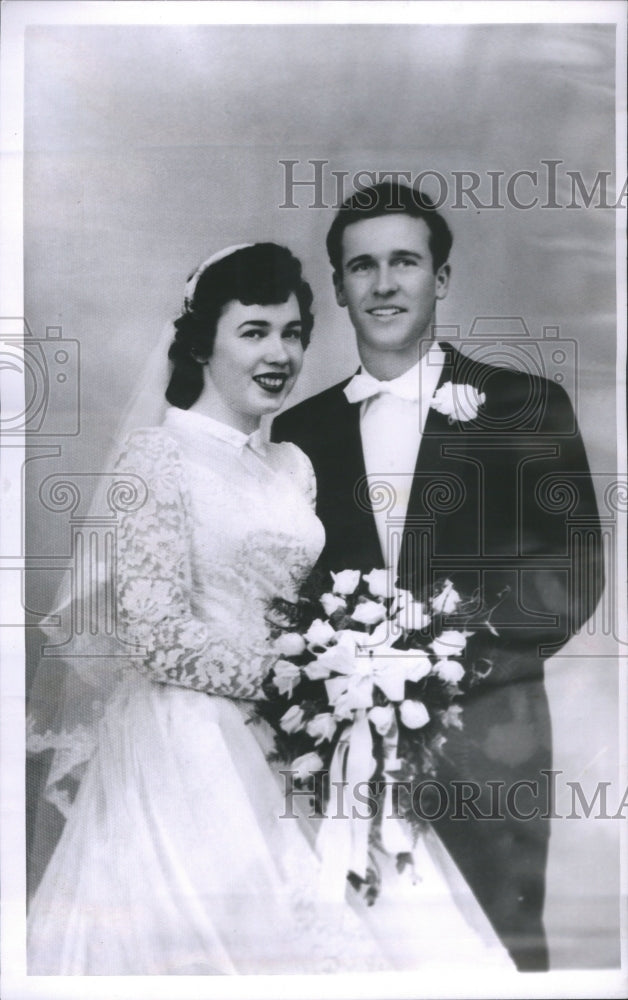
(384, 312)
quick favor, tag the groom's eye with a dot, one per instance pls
(360, 266)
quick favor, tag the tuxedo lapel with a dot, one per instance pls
(439, 480)
(353, 469)
(344, 501)
(437, 425)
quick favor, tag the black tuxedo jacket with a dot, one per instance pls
(502, 505)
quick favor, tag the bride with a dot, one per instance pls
(177, 856)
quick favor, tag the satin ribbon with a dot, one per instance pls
(395, 839)
(343, 840)
(353, 689)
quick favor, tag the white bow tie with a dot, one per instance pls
(363, 386)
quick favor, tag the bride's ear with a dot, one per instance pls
(200, 360)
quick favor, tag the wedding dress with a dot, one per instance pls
(177, 856)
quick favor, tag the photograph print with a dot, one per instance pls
(320, 467)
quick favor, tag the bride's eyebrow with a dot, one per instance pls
(254, 322)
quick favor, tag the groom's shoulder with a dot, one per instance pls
(516, 398)
(522, 377)
(311, 414)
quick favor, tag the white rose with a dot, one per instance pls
(320, 633)
(369, 613)
(443, 399)
(449, 643)
(413, 714)
(338, 659)
(286, 678)
(449, 671)
(380, 582)
(382, 637)
(411, 616)
(304, 765)
(351, 639)
(318, 669)
(382, 717)
(290, 644)
(458, 400)
(346, 581)
(292, 720)
(331, 603)
(418, 666)
(453, 717)
(321, 727)
(447, 601)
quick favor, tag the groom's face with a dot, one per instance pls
(388, 282)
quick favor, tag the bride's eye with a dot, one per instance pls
(253, 333)
(293, 333)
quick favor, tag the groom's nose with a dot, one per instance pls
(385, 280)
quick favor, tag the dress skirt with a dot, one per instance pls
(178, 858)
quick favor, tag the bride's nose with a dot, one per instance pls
(276, 351)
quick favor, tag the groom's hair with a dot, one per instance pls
(384, 199)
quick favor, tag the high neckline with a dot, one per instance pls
(205, 426)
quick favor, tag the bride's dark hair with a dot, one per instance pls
(263, 274)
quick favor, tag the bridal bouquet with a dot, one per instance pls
(369, 657)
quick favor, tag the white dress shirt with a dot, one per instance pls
(392, 419)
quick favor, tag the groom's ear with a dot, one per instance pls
(442, 280)
(339, 289)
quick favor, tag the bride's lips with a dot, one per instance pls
(272, 382)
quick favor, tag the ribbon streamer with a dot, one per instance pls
(343, 839)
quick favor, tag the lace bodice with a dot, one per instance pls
(228, 524)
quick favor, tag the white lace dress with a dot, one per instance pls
(174, 858)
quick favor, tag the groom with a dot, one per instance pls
(494, 494)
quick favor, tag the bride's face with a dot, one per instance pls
(256, 358)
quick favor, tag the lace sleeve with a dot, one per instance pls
(154, 581)
(303, 472)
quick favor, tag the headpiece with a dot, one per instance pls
(190, 286)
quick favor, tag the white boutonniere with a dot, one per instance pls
(458, 401)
